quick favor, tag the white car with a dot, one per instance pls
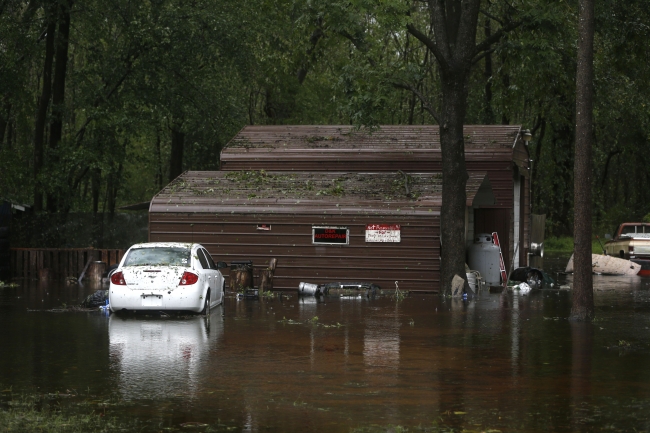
(166, 276)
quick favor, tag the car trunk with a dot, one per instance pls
(153, 277)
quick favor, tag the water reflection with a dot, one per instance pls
(162, 357)
(498, 362)
(381, 341)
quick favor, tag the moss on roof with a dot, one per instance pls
(392, 186)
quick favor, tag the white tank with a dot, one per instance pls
(483, 256)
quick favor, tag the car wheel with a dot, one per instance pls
(206, 306)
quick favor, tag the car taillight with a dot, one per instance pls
(118, 279)
(188, 279)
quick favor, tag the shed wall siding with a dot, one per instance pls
(414, 262)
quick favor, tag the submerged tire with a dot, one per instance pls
(206, 305)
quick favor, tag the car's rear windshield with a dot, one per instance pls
(159, 256)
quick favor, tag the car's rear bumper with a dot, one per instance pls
(187, 298)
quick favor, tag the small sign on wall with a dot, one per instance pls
(330, 235)
(383, 233)
(265, 227)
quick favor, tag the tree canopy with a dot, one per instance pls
(145, 90)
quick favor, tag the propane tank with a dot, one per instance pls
(483, 256)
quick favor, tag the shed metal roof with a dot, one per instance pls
(309, 193)
(343, 141)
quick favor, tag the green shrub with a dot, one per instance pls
(564, 244)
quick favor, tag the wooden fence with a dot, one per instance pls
(62, 263)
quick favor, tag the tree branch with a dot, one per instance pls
(82, 130)
(492, 17)
(482, 55)
(494, 38)
(430, 44)
(426, 104)
(359, 44)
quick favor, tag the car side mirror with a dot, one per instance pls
(221, 265)
(608, 236)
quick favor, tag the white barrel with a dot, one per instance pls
(483, 256)
(308, 289)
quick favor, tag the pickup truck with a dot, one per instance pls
(631, 241)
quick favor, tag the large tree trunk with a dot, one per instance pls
(41, 113)
(58, 89)
(454, 45)
(176, 157)
(583, 295)
(454, 175)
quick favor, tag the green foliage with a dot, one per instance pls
(564, 244)
(558, 244)
(139, 72)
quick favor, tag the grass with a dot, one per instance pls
(35, 414)
(564, 244)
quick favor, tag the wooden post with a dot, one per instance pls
(45, 274)
(33, 264)
(96, 271)
(266, 282)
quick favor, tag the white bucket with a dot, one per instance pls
(308, 289)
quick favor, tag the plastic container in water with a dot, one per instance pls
(308, 289)
(483, 256)
(471, 280)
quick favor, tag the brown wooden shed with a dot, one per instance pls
(498, 150)
(321, 226)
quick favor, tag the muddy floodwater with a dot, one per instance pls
(498, 362)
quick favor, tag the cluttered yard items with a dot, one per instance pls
(241, 279)
(531, 276)
(608, 265)
(339, 289)
(96, 300)
(243, 276)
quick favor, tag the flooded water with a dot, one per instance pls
(499, 362)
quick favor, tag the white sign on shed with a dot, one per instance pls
(383, 233)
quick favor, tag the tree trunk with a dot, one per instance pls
(97, 228)
(176, 157)
(583, 295)
(535, 167)
(41, 113)
(95, 186)
(488, 115)
(454, 175)
(159, 170)
(5, 119)
(58, 90)
(454, 28)
(505, 120)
